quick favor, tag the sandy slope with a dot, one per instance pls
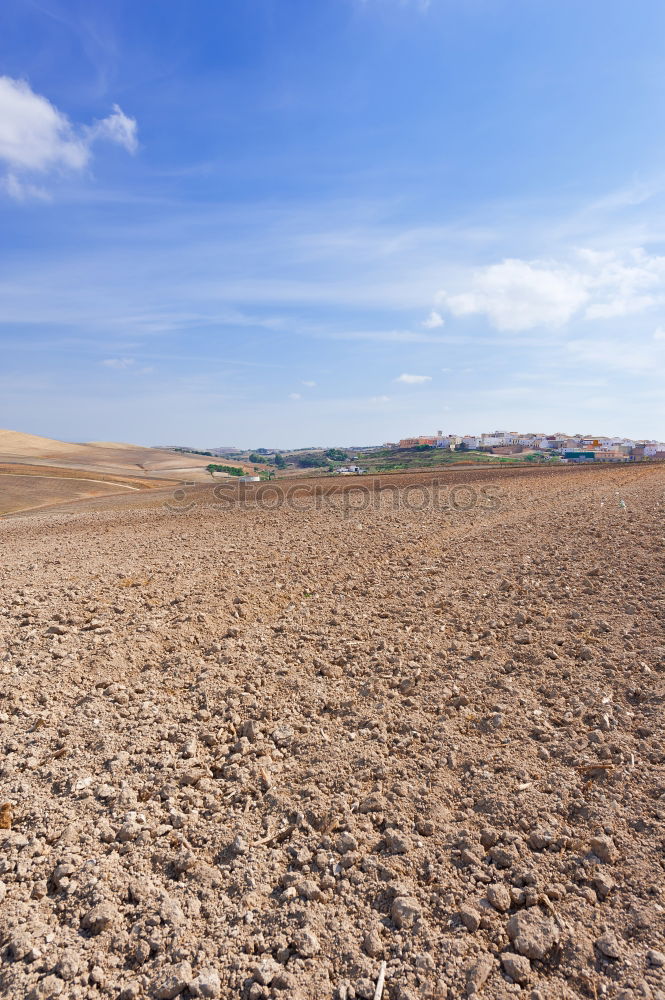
(16, 446)
(258, 752)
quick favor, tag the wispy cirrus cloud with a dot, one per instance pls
(126, 364)
(36, 139)
(413, 379)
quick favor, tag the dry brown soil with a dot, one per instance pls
(27, 487)
(257, 751)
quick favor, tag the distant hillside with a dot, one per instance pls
(15, 446)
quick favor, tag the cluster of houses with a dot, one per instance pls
(350, 470)
(569, 448)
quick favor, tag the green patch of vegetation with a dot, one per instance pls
(232, 470)
(191, 451)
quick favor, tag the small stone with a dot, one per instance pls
(97, 975)
(60, 875)
(397, 842)
(405, 911)
(68, 966)
(364, 988)
(20, 945)
(540, 838)
(284, 981)
(128, 831)
(469, 858)
(308, 889)
(608, 945)
(130, 992)
(39, 889)
(603, 884)
(171, 912)
(470, 918)
(532, 934)
(478, 974)
(172, 981)
(282, 736)
(346, 842)
(503, 857)
(239, 845)
(517, 967)
(46, 989)
(656, 958)
(206, 984)
(373, 803)
(372, 944)
(498, 896)
(605, 849)
(266, 971)
(306, 943)
(99, 918)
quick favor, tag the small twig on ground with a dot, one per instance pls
(378, 992)
(276, 837)
(546, 903)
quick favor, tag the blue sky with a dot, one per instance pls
(286, 222)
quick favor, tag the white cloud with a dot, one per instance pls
(623, 286)
(520, 295)
(116, 128)
(295, 395)
(23, 190)
(434, 320)
(413, 379)
(37, 138)
(118, 364)
(379, 399)
(659, 334)
(310, 385)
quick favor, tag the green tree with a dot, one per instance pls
(231, 469)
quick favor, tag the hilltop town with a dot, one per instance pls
(570, 448)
